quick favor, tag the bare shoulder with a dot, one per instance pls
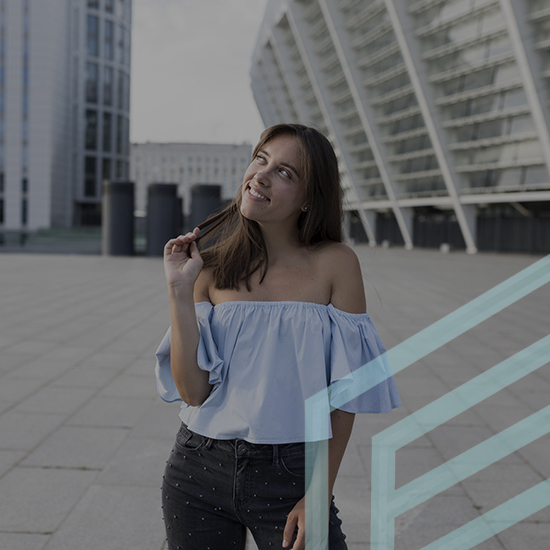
(201, 292)
(344, 270)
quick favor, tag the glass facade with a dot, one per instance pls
(25, 117)
(106, 128)
(92, 36)
(60, 151)
(2, 102)
(420, 129)
(92, 82)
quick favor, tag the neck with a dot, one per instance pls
(281, 243)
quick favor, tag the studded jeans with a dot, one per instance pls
(214, 489)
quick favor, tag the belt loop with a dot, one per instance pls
(209, 442)
(275, 455)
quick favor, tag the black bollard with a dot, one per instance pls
(205, 200)
(118, 218)
(163, 218)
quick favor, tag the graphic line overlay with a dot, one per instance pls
(383, 459)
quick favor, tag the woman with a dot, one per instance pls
(269, 314)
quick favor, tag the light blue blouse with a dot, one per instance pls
(266, 358)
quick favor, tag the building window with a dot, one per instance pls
(91, 129)
(108, 86)
(120, 8)
(93, 4)
(24, 211)
(119, 134)
(106, 169)
(89, 176)
(120, 45)
(109, 7)
(119, 169)
(1, 210)
(1, 182)
(120, 89)
(107, 125)
(109, 40)
(92, 35)
(24, 185)
(92, 81)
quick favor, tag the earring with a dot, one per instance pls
(305, 208)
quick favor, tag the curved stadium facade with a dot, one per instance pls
(438, 109)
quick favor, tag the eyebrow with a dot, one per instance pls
(282, 163)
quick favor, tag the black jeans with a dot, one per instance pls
(214, 489)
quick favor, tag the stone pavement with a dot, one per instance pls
(84, 438)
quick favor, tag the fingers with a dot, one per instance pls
(180, 242)
(290, 526)
(299, 543)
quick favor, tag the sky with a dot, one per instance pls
(190, 71)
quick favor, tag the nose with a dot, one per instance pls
(262, 176)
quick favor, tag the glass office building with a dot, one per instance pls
(64, 109)
(439, 111)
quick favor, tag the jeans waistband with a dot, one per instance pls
(257, 450)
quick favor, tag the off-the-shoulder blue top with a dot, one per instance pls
(266, 358)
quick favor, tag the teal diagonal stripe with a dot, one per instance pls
(493, 522)
(468, 463)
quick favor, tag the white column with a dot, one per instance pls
(530, 67)
(331, 16)
(410, 50)
(301, 37)
(281, 56)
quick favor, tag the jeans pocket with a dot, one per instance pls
(293, 465)
(186, 440)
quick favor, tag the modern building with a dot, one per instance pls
(187, 164)
(438, 109)
(64, 108)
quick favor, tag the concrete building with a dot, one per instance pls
(187, 164)
(64, 108)
(438, 109)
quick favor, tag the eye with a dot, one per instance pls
(261, 159)
(286, 173)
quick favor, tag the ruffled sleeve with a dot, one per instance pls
(208, 358)
(361, 379)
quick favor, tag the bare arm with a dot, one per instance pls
(182, 266)
(348, 294)
(342, 423)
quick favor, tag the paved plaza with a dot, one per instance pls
(84, 437)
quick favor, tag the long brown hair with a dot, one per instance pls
(234, 245)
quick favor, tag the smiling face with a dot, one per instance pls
(273, 189)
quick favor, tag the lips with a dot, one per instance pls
(252, 190)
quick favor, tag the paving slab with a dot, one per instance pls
(78, 447)
(23, 541)
(55, 400)
(111, 412)
(80, 394)
(23, 431)
(37, 500)
(138, 462)
(113, 518)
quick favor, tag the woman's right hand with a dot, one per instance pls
(182, 260)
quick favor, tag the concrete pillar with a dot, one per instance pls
(118, 218)
(162, 216)
(205, 199)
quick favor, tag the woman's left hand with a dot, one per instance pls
(296, 520)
